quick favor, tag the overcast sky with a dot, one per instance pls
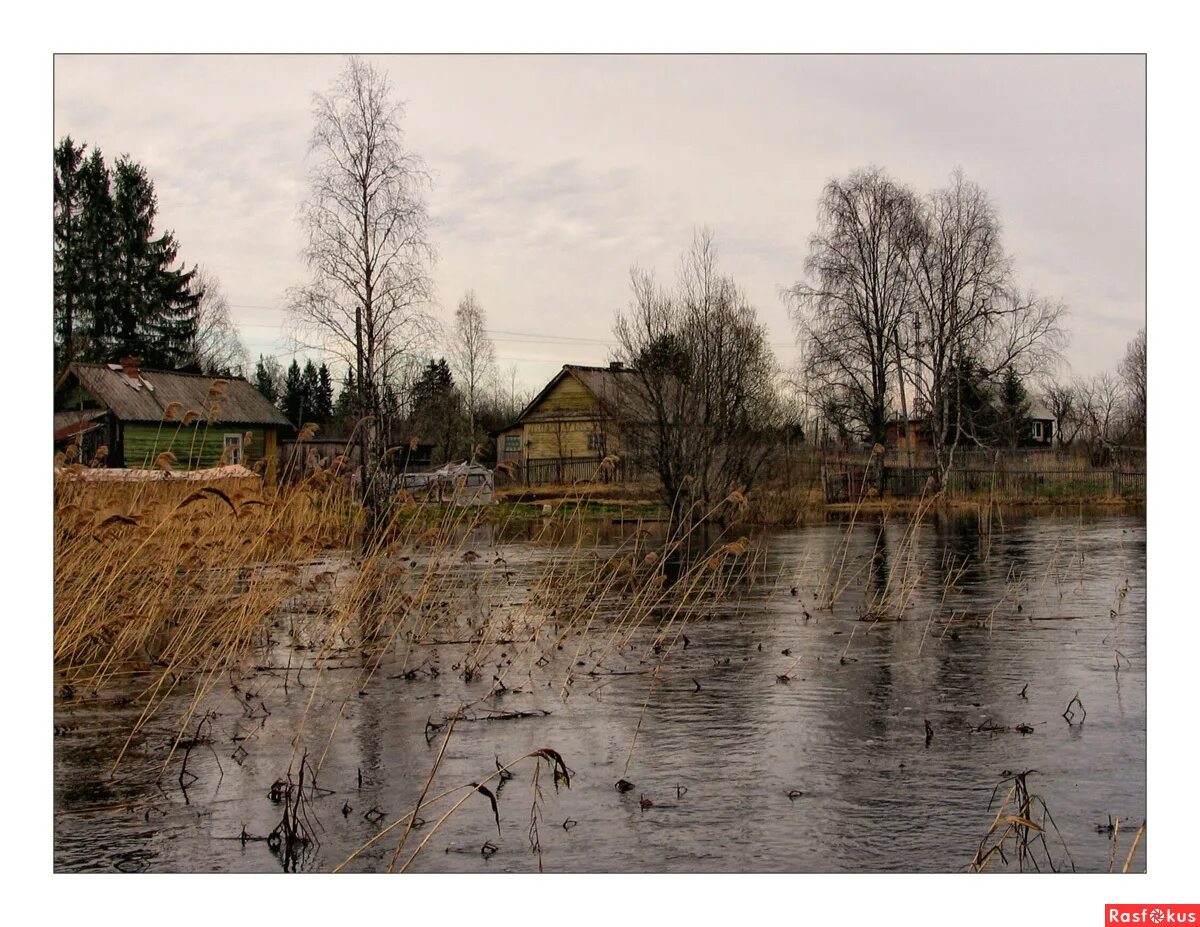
(552, 175)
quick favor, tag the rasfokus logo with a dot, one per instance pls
(1152, 914)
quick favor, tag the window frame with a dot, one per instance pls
(236, 442)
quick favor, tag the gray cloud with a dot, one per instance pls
(553, 174)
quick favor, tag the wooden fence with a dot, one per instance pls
(844, 482)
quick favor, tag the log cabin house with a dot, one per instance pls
(122, 407)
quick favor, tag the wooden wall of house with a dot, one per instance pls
(568, 396)
(203, 447)
(506, 454)
(569, 438)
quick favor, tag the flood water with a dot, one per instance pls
(827, 770)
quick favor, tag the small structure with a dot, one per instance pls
(125, 409)
(1045, 425)
(569, 427)
(457, 484)
(907, 433)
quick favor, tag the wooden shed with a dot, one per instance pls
(138, 414)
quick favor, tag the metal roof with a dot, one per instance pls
(145, 398)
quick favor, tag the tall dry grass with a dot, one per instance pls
(165, 588)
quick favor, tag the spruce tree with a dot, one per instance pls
(309, 386)
(117, 290)
(436, 406)
(97, 262)
(156, 304)
(68, 250)
(266, 379)
(324, 400)
(346, 406)
(1014, 425)
(293, 395)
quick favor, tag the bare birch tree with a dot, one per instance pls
(1133, 373)
(1105, 424)
(368, 249)
(851, 310)
(216, 347)
(475, 357)
(965, 311)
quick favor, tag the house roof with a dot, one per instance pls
(608, 385)
(146, 397)
(1039, 410)
(67, 424)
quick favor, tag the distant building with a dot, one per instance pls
(569, 427)
(915, 433)
(122, 407)
(1045, 425)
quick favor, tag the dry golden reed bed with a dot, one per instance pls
(170, 586)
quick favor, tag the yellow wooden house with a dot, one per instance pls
(569, 427)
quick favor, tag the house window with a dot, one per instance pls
(233, 456)
(1037, 431)
(512, 444)
(595, 441)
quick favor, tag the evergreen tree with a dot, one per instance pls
(68, 250)
(156, 304)
(433, 384)
(1014, 425)
(437, 407)
(971, 405)
(85, 280)
(323, 404)
(309, 387)
(346, 406)
(116, 288)
(266, 379)
(293, 395)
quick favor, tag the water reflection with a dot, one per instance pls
(783, 737)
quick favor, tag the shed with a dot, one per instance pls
(138, 414)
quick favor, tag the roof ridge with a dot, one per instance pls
(171, 373)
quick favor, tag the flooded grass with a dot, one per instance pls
(245, 684)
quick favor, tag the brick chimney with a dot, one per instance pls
(615, 365)
(130, 366)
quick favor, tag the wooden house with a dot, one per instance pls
(124, 409)
(569, 427)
